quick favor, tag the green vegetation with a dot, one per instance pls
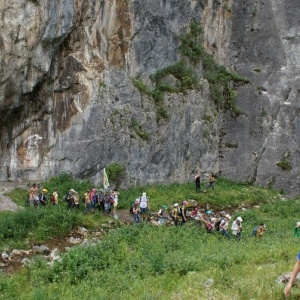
(116, 173)
(138, 129)
(222, 83)
(231, 145)
(149, 262)
(284, 165)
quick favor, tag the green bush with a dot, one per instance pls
(116, 173)
(284, 165)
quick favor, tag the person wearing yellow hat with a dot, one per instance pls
(42, 197)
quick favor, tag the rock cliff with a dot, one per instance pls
(87, 83)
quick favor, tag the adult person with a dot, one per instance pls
(236, 227)
(115, 195)
(183, 212)
(261, 230)
(211, 181)
(93, 197)
(42, 197)
(55, 197)
(174, 214)
(33, 195)
(223, 227)
(162, 215)
(197, 181)
(295, 272)
(76, 200)
(87, 202)
(144, 205)
(107, 205)
(100, 200)
(135, 211)
(70, 198)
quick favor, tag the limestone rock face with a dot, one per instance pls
(68, 102)
(264, 46)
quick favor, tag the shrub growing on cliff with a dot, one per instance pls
(222, 83)
(138, 129)
(284, 165)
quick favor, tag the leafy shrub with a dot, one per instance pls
(139, 130)
(284, 165)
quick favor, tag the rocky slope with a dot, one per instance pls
(68, 101)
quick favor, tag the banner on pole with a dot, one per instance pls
(105, 180)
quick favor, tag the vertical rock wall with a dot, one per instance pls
(68, 102)
(264, 47)
(75, 106)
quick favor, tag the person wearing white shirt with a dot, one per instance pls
(236, 227)
(144, 206)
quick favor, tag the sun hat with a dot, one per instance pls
(184, 202)
(72, 190)
(298, 224)
(44, 190)
(228, 216)
(239, 219)
(176, 204)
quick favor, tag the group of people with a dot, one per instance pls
(139, 208)
(93, 199)
(106, 201)
(37, 196)
(210, 183)
(180, 214)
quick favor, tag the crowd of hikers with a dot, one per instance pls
(188, 210)
(178, 215)
(93, 199)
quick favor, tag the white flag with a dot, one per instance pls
(105, 180)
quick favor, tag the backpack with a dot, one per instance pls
(179, 211)
(111, 200)
(131, 208)
(217, 225)
(52, 199)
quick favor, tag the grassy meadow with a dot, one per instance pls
(147, 262)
